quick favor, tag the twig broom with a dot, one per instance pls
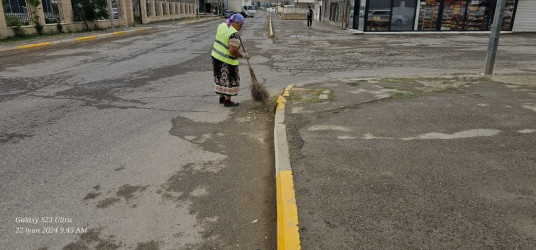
(258, 91)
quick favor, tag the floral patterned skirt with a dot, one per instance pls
(226, 78)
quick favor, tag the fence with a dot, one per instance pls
(290, 9)
(51, 9)
(15, 13)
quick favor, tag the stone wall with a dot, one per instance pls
(173, 10)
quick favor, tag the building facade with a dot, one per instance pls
(437, 15)
(54, 12)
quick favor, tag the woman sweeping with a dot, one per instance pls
(225, 56)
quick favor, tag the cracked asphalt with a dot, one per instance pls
(126, 140)
(124, 136)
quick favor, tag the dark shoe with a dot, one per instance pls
(222, 99)
(230, 104)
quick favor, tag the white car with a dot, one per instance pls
(115, 13)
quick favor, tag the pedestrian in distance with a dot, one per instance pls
(225, 54)
(309, 17)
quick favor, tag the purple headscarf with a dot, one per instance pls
(237, 18)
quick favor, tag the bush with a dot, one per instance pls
(137, 18)
(89, 11)
(15, 24)
(59, 27)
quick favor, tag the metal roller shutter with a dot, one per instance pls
(525, 19)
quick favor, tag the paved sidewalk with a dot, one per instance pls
(436, 162)
(69, 38)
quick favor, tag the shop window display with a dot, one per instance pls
(433, 15)
(379, 15)
(453, 15)
(429, 14)
(508, 15)
(477, 16)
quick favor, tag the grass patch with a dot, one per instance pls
(32, 37)
(398, 80)
(331, 96)
(309, 95)
(403, 95)
(272, 102)
(434, 79)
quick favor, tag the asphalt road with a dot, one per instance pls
(125, 138)
(121, 143)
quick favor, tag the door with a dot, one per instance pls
(355, 15)
(403, 15)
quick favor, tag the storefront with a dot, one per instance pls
(439, 15)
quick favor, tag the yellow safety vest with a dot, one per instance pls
(220, 50)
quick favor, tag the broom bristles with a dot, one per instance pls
(258, 91)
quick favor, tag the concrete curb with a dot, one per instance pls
(71, 40)
(203, 20)
(288, 236)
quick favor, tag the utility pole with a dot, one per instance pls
(494, 37)
(197, 3)
(111, 14)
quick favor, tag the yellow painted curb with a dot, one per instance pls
(35, 45)
(119, 33)
(288, 236)
(271, 29)
(85, 38)
(287, 90)
(142, 29)
(281, 102)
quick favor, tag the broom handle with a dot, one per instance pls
(242, 44)
(243, 48)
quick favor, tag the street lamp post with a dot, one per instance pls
(111, 14)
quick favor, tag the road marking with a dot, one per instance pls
(529, 106)
(328, 127)
(471, 133)
(345, 137)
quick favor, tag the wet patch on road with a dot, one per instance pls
(13, 137)
(107, 202)
(93, 240)
(151, 245)
(91, 196)
(224, 192)
(126, 192)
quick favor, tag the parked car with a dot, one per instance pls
(399, 20)
(385, 15)
(380, 15)
(227, 13)
(115, 12)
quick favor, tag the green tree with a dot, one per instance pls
(89, 11)
(35, 17)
